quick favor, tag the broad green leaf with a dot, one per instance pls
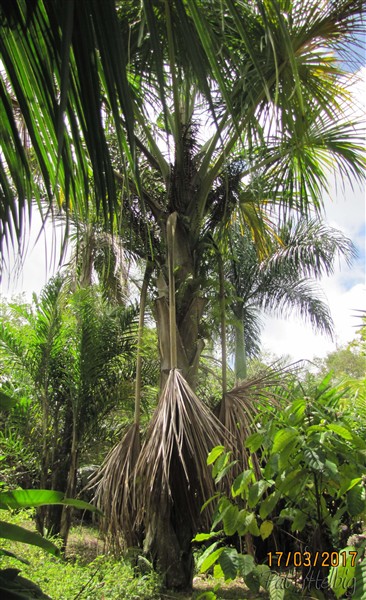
(276, 588)
(203, 537)
(252, 581)
(241, 482)
(356, 500)
(313, 459)
(254, 441)
(341, 431)
(272, 466)
(252, 524)
(230, 520)
(291, 480)
(224, 471)
(256, 491)
(283, 438)
(19, 534)
(348, 485)
(214, 454)
(331, 467)
(290, 450)
(229, 562)
(300, 520)
(218, 572)
(211, 559)
(268, 504)
(359, 583)
(220, 463)
(246, 564)
(221, 509)
(206, 554)
(30, 498)
(266, 529)
(296, 411)
(314, 429)
(264, 574)
(241, 524)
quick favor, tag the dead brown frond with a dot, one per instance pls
(172, 466)
(113, 493)
(240, 410)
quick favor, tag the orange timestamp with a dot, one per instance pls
(312, 559)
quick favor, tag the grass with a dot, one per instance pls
(88, 573)
(85, 574)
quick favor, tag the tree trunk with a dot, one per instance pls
(240, 350)
(70, 491)
(189, 310)
(168, 543)
(189, 345)
(169, 534)
(55, 474)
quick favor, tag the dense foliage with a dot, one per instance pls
(308, 499)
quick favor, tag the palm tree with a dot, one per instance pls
(281, 282)
(70, 354)
(261, 79)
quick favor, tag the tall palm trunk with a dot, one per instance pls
(66, 514)
(56, 476)
(169, 530)
(138, 382)
(114, 489)
(189, 307)
(240, 349)
(222, 325)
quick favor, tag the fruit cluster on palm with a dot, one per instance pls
(207, 111)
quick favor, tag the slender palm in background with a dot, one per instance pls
(71, 355)
(186, 87)
(283, 282)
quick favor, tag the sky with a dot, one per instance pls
(345, 291)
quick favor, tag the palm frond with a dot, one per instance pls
(283, 297)
(57, 78)
(113, 485)
(309, 247)
(240, 411)
(172, 466)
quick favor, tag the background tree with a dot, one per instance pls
(71, 355)
(345, 362)
(281, 282)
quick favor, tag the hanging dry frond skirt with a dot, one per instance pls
(172, 466)
(113, 491)
(241, 407)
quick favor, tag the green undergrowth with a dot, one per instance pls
(85, 574)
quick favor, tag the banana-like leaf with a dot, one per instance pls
(27, 498)
(16, 533)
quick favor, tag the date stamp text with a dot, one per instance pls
(312, 559)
